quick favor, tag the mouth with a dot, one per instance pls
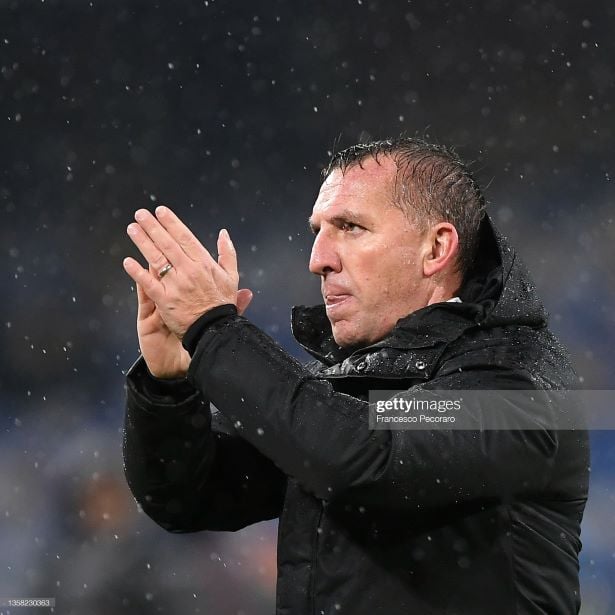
(334, 302)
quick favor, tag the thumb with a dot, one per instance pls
(146, 305)
(227, 256)
(244, 297)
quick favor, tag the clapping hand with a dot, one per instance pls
(182, 282)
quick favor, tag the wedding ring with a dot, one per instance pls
(165, 270)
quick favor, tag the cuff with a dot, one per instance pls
(197, 328)
(157, 391)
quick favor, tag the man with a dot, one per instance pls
(420, 293)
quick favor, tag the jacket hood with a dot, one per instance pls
(497, 291)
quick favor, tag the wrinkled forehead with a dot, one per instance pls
(371, 181)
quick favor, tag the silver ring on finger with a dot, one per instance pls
(165, 270)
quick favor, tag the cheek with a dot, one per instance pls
(377, 274)
(394, 280)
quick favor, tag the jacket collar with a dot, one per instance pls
(498, 291)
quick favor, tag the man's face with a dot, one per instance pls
(367, 252)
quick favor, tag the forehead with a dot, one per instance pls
(368, 187)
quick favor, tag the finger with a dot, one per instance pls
(244, 298)
(227, 256)
(155, 258)
(160, 237)
(146, 305)
(151, 286)
(182, 235)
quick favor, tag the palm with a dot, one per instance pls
(162, 350)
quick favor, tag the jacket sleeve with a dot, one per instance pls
(186, 466)
(321, 437)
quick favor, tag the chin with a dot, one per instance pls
(340, 337)
(348, 339)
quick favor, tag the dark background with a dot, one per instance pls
(227, 111)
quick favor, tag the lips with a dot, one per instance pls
(335, 300)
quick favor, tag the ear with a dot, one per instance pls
(442, 248)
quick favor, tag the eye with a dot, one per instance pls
(349, 226)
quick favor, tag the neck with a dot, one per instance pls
(444, 291)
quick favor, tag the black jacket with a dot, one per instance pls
(375, 522)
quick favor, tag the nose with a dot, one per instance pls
(325, 257)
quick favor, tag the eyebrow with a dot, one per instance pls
(346, 215)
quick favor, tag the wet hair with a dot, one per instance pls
(432, 185)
